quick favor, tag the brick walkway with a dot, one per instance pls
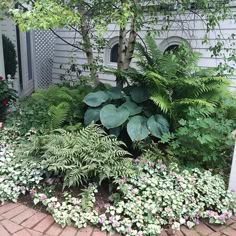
(19, 220)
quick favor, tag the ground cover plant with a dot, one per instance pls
(161, 196)
(17, 176)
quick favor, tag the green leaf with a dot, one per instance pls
(137, 128)
(132, 107)
(96, 99)
(112, 117)
(92, 115)
(115, 131)
(158, 125)
(139, 94)
(115, 93)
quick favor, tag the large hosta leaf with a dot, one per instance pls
(115, 93)
(92, 115)
(112, 117)
(158, 125)
(137, 128)
(132, 107)
(96, 99)
(139, 94)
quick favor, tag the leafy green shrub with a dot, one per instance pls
(9, 53)
(80, 156)
(203, 140)
(56, 107)
(77, 210)
(7, 95)
(127, 109)
(159, 197)
(174, 81)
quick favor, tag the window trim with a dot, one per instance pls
(174, 40)
(107, 54)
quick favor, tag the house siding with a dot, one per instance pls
(187, 27)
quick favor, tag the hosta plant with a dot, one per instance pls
(72, 210)
(159, 197)
(128, 109)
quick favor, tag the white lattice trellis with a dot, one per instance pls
(44, 42)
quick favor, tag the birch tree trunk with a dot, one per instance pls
(88, 49)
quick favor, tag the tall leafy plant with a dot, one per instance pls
(174, 80)
(128, 109)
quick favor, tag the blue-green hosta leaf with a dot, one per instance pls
(158, 125)
(139, 94)
(113, 117)
(92, 115)
(132, 107)
(115, 93)
(96, 99)
(137, 128)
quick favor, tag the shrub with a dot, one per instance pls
(206, 141)
(127, 109)
(56, 107)
(9, 53)
(159, 197)
(80, 156)
(7, 95)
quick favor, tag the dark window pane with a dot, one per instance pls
(172, 49)
(29, 56)
(114, 53)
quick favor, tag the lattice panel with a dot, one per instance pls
(44, 52)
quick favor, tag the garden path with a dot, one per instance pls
(19, 220)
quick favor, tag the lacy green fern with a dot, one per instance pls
(174, 80)
(80, 156)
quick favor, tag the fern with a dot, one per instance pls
(175, 82)
(79, 156)
(58, 114)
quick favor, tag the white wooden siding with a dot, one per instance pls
(185, 26)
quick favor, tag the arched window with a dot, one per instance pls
(172, 49)
(114, 53)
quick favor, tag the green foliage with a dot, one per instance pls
(7, 95)
(174, 80)
(55, 107)
(127, 109)
(145, 203)
(206, 141)
(9, 53)
(76, 210)
(83, 155)
(17, 176)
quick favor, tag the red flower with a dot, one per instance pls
(1, 78)
(4, 102)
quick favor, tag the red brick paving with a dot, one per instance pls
(19, 220)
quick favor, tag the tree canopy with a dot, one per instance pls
(91, 18)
